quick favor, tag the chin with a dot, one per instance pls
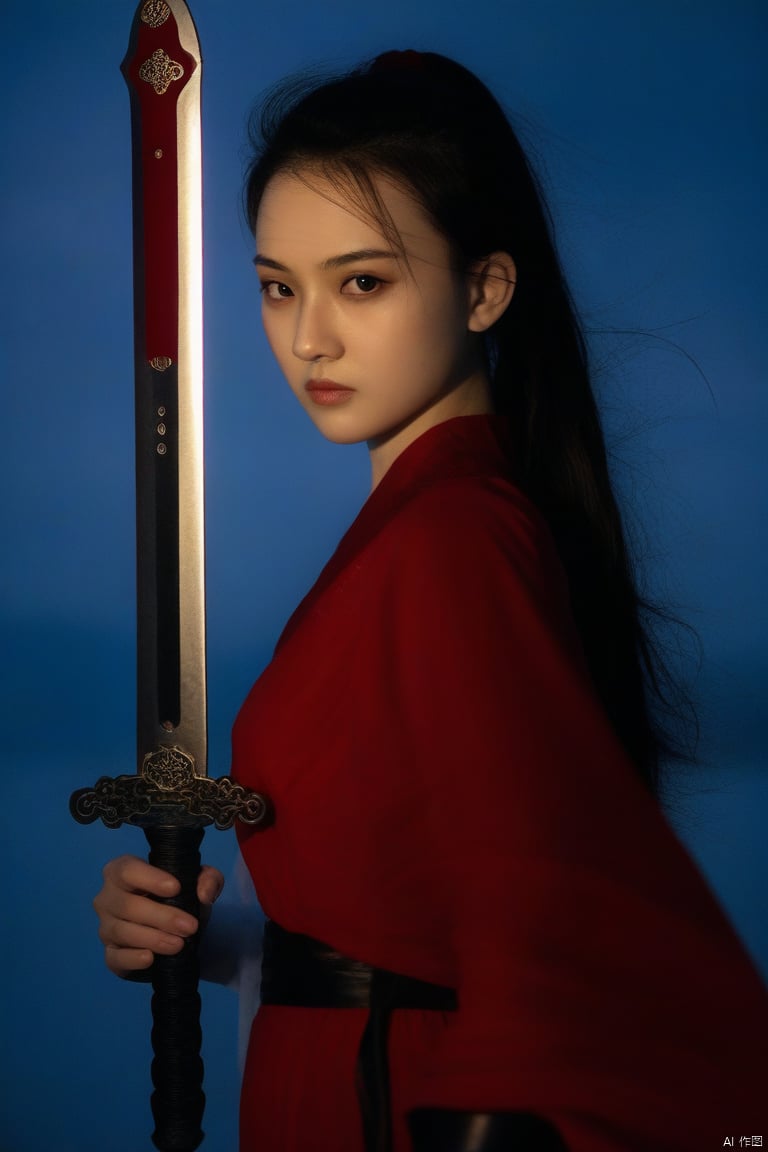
(338, 435)
(334, 428)
(344, 437)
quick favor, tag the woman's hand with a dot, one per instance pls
(132, 926)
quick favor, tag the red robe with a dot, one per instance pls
(451, 803)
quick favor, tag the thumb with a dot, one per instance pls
(210, 883)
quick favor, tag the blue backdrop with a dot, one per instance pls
(645, 118)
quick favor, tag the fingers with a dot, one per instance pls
(124, 961)
(133, 920)
(132, 874)
(134, 927)
(131, 947)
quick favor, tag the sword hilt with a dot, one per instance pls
(178, 1101)
(173, 806)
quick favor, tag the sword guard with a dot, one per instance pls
(167, 793)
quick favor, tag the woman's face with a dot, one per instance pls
(374, 348)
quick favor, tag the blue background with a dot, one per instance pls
(646, 118)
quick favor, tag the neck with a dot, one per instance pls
(472, 398)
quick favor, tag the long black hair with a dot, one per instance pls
(434, 128)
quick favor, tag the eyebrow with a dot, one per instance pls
(332, 261)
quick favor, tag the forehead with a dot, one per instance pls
(306, 213)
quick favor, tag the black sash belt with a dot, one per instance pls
(297, 970)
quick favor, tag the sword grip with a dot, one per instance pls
(177, 1069)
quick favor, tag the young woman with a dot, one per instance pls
(482, 933)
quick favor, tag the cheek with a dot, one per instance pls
(439, 341)
(420, 333)
(277, 334)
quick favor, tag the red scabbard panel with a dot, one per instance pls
(158, 71)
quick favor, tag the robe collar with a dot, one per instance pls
(461, 446)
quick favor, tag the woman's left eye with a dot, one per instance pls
(361, 285)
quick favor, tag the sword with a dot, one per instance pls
(171, 796)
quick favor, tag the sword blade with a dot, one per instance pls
(163, 72)
(171, 796)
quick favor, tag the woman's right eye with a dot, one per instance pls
(275, 290)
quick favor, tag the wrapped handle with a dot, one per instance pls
(177, 1069)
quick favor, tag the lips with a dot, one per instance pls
(328, 391)
(326, 386)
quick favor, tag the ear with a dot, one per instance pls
(491, 284)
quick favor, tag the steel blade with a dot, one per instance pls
(163, 71)
(170, 796)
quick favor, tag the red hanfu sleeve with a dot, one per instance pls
(599, 984)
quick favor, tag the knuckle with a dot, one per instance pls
(117, 867)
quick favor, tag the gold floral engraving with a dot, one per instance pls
(160, 363)
(155, 13)
(160, 71)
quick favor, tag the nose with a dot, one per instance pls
(316, 336)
